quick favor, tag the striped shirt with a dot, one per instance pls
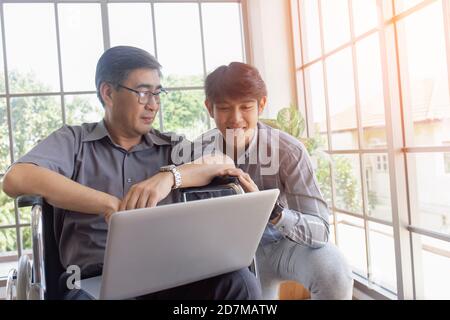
(275, 159)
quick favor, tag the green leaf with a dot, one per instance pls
(271, 123)
(291, 121)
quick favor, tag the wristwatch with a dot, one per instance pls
(277, 210)
(176, 174)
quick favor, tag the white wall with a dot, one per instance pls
(270, 50)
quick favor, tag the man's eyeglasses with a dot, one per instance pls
(145, 97)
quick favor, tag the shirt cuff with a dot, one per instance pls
(287, 221)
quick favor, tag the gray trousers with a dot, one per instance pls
(237, 285)
(324, 272)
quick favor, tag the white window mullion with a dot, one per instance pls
(360, 144)
(327, 111)
(397, 161)
(58, 46)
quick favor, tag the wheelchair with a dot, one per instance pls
(38, 278)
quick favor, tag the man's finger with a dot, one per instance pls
(152, 202)
(234, 172)
(143, 199)
(131, 203)
(123, 203)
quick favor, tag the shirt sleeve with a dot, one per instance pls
(57, 152)
(305, 220)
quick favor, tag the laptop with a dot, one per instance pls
(152, 249)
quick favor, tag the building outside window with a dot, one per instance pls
(373, 81)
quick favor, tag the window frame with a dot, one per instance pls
(7, 95)
(406, 232)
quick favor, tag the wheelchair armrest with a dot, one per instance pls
(217, 184)
(223, 180)
(28, 200)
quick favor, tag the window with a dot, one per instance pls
(382, 163)
(368, 68)
(50, 69)
(447, 163)
(447, 160)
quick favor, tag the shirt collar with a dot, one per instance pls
(99, 132)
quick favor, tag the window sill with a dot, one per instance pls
(363, 291)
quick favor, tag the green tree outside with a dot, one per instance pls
(348, 194)
(34, 118)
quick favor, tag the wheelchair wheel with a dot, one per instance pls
(11, 285)
(24, 274)
(35, 292)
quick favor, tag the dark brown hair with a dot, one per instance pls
(235, 81)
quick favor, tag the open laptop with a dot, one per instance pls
(153, 249)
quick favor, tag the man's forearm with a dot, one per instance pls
(57, 190)
(203, 170)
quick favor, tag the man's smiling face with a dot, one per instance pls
(237, 118)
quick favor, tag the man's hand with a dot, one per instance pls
(247, 184)
(148, 193)
(112, 207)
(244, 178)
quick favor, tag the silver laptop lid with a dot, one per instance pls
(153, 249)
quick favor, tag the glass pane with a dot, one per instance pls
(310, 30)
(26, 238)
(425, 87)
(347, 180)
(5, 158)
(179, 47)
(8, 243)
(435, 266)
(7, 216)
(336, 25)
(24, 215)
(382, 256)
(31, 51)
(341, 99)
(387, 9)
(352, 242)
(315, 97)
(81, 44)
(83, 108)
(33, 118)
(184, 113)
(300, 101)
(403, 5)
(431, 183)
(371, 96)
(6, 264)
(131, 24)
(376, 167)
(222, 34)
(365, 15)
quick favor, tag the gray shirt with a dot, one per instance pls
(275, 159)
(86, 154)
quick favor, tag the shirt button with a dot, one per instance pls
(129, 180)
